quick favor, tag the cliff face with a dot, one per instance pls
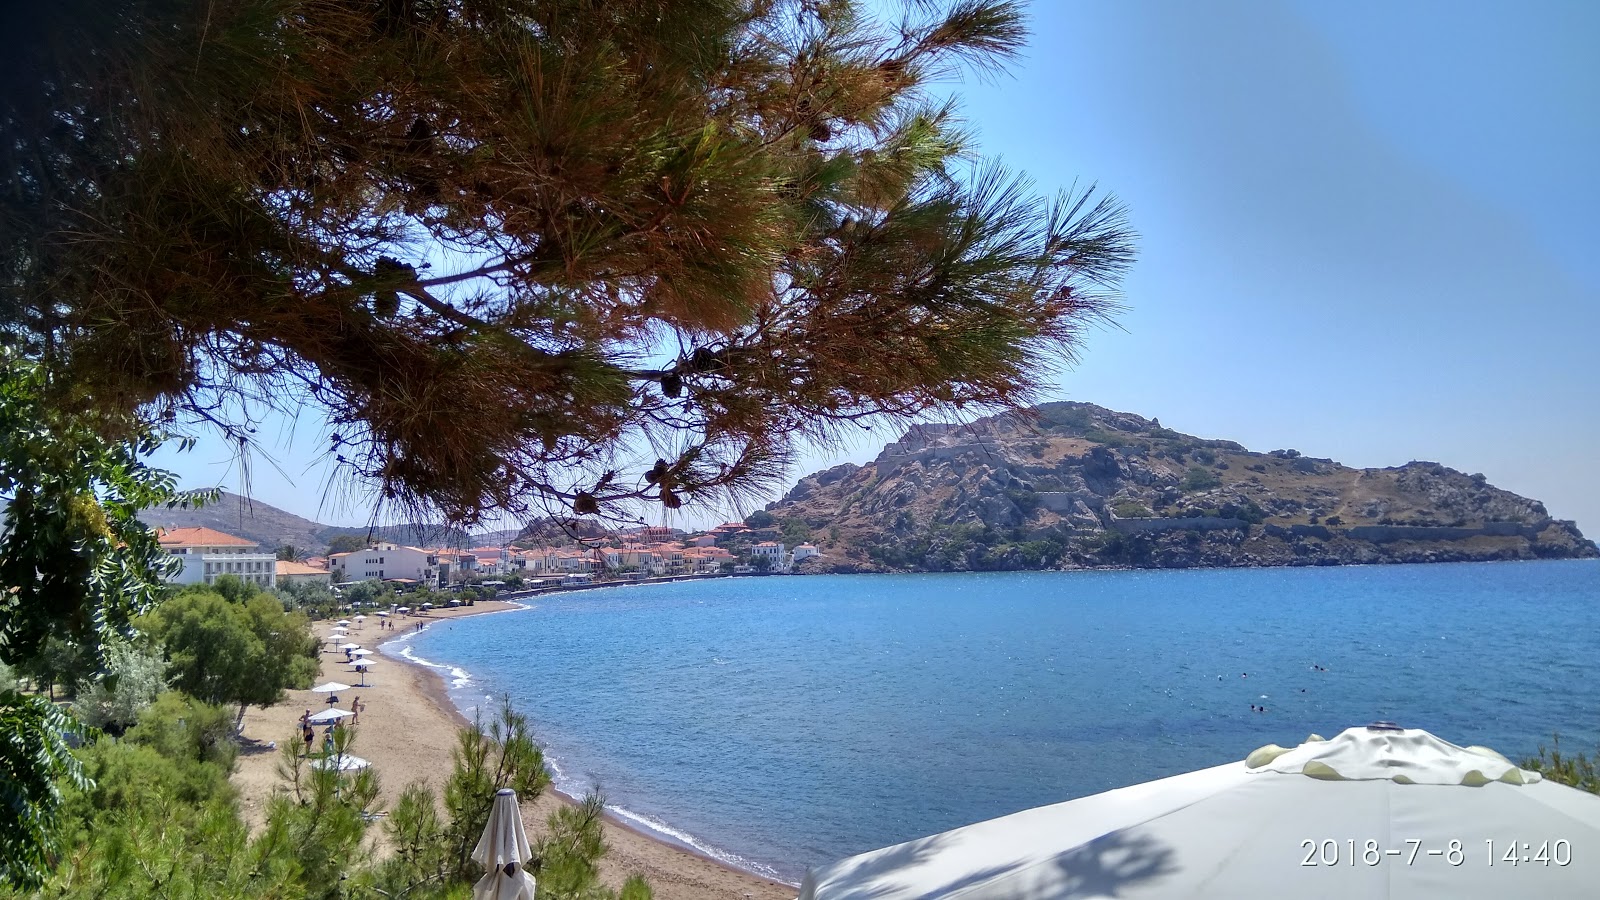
(1076, 485)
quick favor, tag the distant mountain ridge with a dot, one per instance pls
(273, 527)
(1073, 485)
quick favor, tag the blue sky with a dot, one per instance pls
(1367, 232)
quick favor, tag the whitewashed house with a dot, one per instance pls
(382, 562)
(772, 551)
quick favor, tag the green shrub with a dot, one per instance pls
(1131, 509)
(1576, 770)
(1200, 479)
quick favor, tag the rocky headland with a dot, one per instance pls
(1073, 485)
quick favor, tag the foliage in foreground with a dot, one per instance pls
(714, 226)
(1576, 769)
(76, 567)
(154, 815)
(433, 859)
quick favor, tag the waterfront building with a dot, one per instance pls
(290, 572)
(383, 561)
(208, 553)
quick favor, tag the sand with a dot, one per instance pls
(407, 729)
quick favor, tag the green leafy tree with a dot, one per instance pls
(732, 225)
(76, 566)
(290, 553)
(35, 760)
(226, 652)
(346, 543)
(367, 592)
(315, 600)
(795, 530)
(760, 519)
(135, 676)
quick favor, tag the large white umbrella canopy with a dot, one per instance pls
(501, 851)
(1377, 811)
(329, 715)
(330, 687)
(362, 665)
(382, 613)
(340, 762)
(344, 621)
(361, 618)
(349, 646)
(360, 652)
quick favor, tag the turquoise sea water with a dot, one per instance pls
(781, 723)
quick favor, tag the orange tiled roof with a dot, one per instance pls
(289, 567)
(201, 537)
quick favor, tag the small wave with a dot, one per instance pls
(459, 677)
(658, 827)
(577, 787)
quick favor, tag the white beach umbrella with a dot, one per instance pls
(360, 652)
(403, 609)
(383, 614)
(349, 646)
(341, 762)
(362, 666)
(329, 715)
(501, 851)
(330, 687)
(344, 621)
(1377, 811)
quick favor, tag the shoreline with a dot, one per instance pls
(673, 869)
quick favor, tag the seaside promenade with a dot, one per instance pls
(408, 729)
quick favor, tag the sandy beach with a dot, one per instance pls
(408, 728)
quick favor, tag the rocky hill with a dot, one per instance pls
(1074, 485)
(273, 527)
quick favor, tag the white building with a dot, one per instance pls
(803, 552)
(773, 551)
(382, 562)
(208, 553)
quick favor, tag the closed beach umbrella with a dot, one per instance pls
(341, 762)
(502, 851)
(329, 715)
(330, 687)
(1377, 811)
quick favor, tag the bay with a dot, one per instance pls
(785, 722)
